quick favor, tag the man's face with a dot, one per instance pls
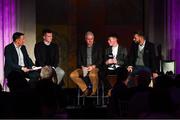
(89, 40)
(112, 41)
(48, 37)
(137, 38)
(20, 41)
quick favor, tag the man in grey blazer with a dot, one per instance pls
(115, 55)
(115, 59)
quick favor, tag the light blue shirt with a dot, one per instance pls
(20, 55)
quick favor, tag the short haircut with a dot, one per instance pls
(16, 36)
(46, 31)
(114, 35)
(89, 33)
(140, 33)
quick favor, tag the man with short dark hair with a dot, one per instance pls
(47, 53)
(115, 58)
(17, 58)
(141, 56)
(115, 55)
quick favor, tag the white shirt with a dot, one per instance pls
(46, 43)
(141, 47)
(115, 51)
(20, 55)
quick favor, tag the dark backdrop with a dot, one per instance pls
(70, 19)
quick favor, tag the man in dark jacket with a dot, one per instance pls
(47, 53)
(115, 58)
(89, 61)
(142, 56)
(17, 58)
(115, 55)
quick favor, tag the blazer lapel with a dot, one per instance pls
(15, 54)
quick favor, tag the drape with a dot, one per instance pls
(173, 31)
(7, 28)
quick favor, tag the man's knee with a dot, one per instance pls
(74, 74)
(93, 75)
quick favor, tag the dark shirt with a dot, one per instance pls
(46, 54)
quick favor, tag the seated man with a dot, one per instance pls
(46, 73)
(89, 60)
(141, 57)
(47, 53)
(115, 56)
(17, 59)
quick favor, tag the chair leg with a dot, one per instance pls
(78, 98)
(103, 94)
(97, 97)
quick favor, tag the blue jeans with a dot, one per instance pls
(137, 70)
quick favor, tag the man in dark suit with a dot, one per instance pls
(115, 58)
(142, 56)
(17, 58)
(47, 53)
(115, 54)
(89, 61)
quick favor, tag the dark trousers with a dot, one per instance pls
(137, 70)
(34, 77)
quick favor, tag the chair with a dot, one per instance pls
(111, 79)
(168, 66)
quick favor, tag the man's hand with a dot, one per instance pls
(25, 69)
(114, 61)
(109, 61)
(89, 68)
(130, 68)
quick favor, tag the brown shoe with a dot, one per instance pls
(86, 92)
(93, 94)
(109, 93)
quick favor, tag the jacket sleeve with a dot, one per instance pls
(131, 55)
(56, 59)
(153, 58)
(9, 59)
(99, 59)
(39, 62)
(29, 61)
(79, 57)
(122, 61)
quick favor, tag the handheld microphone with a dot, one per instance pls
(110, 56)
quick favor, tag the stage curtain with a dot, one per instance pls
(173, 21)
(7, 28)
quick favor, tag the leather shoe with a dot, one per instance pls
(93, 94)
(86, 92)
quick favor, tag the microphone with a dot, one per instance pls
(110, 56)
